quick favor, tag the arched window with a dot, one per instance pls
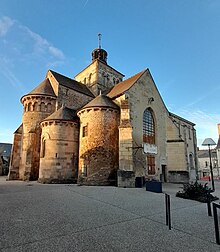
(148, 127)
(90, 76)
(43, 148)
(42, 107)
(191, 165)
(35, 107)
(149, 138)
(49, 107)
(29, 106)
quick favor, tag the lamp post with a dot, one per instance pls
(208, 142)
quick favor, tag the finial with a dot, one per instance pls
(100, 92)
(100, 37)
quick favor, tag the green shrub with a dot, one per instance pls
(196, 191)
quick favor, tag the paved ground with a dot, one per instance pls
(36, 217)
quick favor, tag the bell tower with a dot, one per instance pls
(99, 76)
(99, 53)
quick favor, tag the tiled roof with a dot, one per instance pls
(101, 101)
(64, 114)
(44, 88)
(72, 84)
(123, 86)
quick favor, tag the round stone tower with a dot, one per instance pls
(38, 104)
(98, 151)
(59, 147)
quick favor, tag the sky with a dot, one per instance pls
(178, 40)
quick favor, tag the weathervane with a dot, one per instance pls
(100, 37)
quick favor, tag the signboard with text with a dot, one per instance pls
(150, 148)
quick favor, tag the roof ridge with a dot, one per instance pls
(71, 83)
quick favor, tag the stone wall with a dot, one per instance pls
(99, 76)
(15, 156)
(36, 108)
(59, 152)
(71, 98)
(144, 95)
(98, 152)
(181, 147)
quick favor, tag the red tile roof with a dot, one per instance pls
(123, 86)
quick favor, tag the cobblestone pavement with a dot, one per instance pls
(40, 217)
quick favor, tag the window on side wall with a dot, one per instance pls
(148, 127)
(151, 165)
(149, 138)
(85, 131)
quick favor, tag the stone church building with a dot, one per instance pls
(98, 129)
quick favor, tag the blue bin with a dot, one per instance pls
(154, 186)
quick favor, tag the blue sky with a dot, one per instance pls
(178, 40)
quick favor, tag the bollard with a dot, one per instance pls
(168, 215)
(209, 205)
(215, 206)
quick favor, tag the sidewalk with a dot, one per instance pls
(38, 217)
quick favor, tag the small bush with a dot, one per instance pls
(196, 191)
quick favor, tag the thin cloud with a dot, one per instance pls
(206, 123)
(41, 45)
(5, 25)
(86, 2)
(203, 97)
(10, 76)
(20, 46)
(56, 52)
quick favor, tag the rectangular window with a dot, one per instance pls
(85, 131)
(151, 165)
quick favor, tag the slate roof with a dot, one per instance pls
(6, 149)
(101, 101)
(205, 153)
(123, 86)
(64, 114)
(182, 119)
(44, 88)
(72, 84)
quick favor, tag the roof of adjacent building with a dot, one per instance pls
(72, 84)
(101, 101)
(123, 86)
(5, 148)
(44, 88)
(63, 114)
(205, 153)
(182, 119)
